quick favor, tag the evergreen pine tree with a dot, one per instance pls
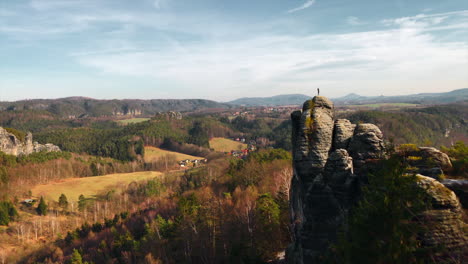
(81, 203)
(63, 201)
(384, 226)
(199, 135)
(42, 207)
(76, 257)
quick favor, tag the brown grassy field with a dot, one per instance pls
(152, 154)
(133, 120)
(226, 145)
(89, 186)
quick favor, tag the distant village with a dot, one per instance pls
(187, 163)
(241, 154)
(262, 111)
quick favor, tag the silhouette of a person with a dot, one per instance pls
(318, 91)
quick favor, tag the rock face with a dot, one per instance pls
(324, 186)
(344, 131)
(447, 228)
(330, 159)
(11, 145)
(366, 144)
(312, 140)
(439, 158)
(429, 162)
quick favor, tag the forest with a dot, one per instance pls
(237, 132)
(229, 210)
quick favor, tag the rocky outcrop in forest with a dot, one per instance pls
(10, 144)
(331, 159)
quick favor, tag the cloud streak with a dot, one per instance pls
(286, 62)
(307, 4)
(158, 4)
(45, 5)
(178, 51)
(354, 21)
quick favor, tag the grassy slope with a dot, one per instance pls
(89, 186)
(225, 145)
(152, 153)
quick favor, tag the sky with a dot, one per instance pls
(224, 49)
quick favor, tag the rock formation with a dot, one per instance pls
(11, 145)
(330, 161)
(428, 161)
(169, 115)
(447, 228)
(344, 131)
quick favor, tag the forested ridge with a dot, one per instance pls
(431, 126)
(127, 142)
(82, 106)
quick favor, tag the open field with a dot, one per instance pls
(89, 186)
(226, 145)
(133, 120)
(152, 153)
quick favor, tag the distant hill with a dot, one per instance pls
(82, 106)
(422, 98)
(89, 107)
(352, 99)
(286, 99)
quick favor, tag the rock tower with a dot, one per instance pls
(330, 161)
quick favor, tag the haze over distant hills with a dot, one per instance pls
(352, 98)
(286, 99)
(422, 98)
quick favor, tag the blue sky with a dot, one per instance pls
(222, 50)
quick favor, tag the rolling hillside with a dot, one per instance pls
(226, 145)
(77, 107)
(153, 154)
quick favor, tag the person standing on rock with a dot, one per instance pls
(318, 91)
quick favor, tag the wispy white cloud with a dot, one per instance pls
(32, 31)
(158, 4)
(307, 4)
(423, 20)
(44, 5)
(58, 24)
(354, 21)
(104, 51)
(191, 52)
(289, 62)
